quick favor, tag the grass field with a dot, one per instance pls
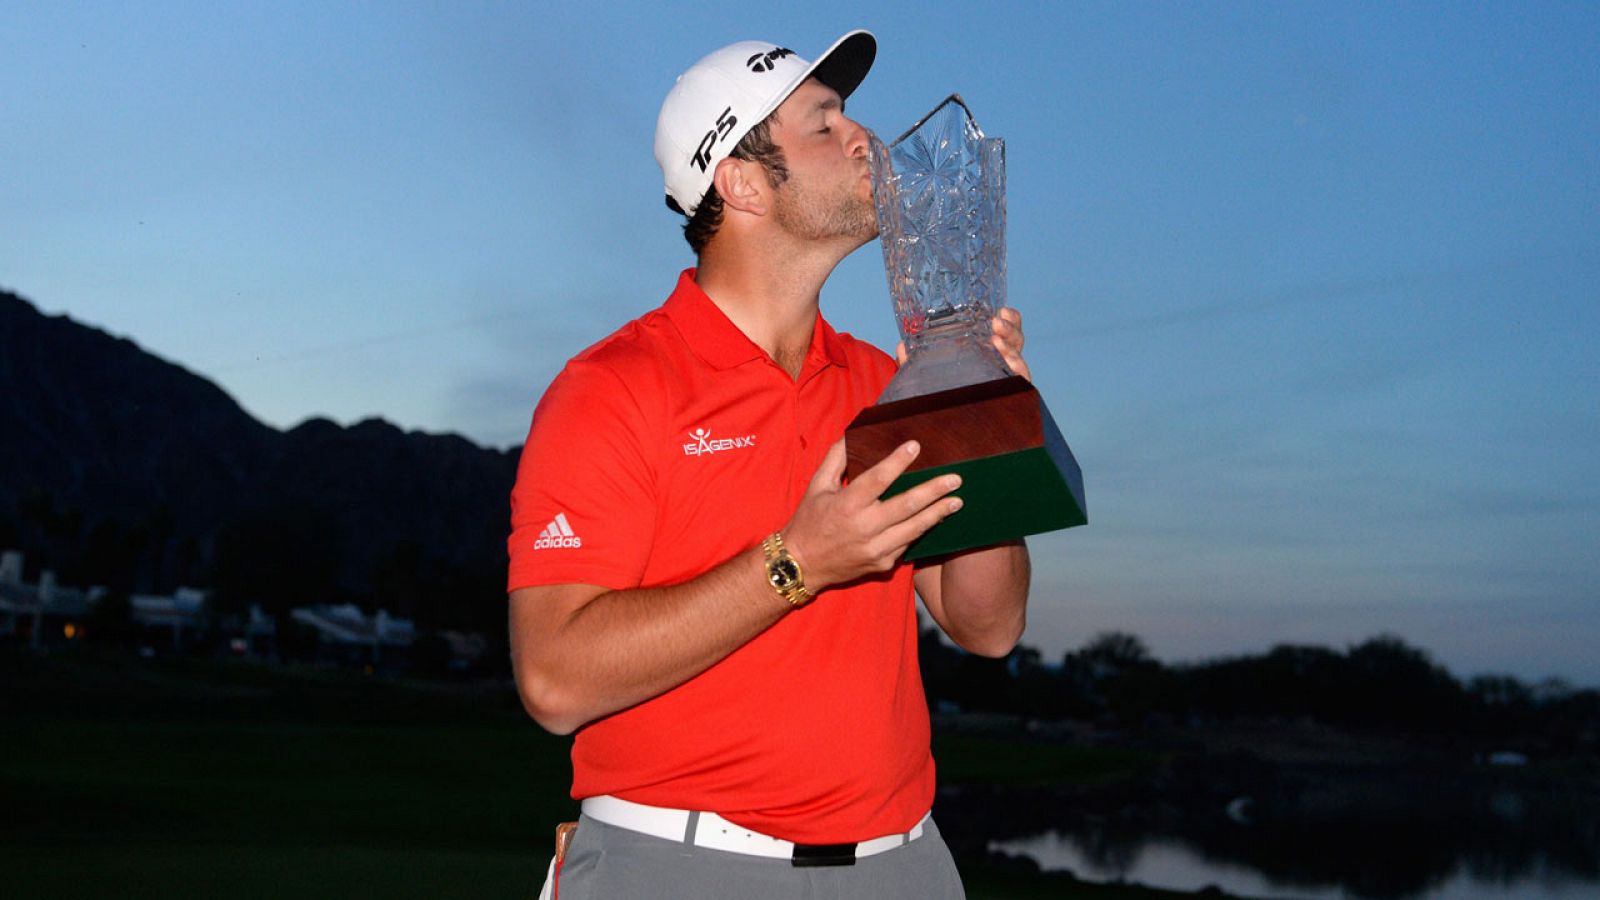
(131, 779)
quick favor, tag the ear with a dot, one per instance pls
(742, 184)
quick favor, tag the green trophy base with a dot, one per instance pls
(1018, 477)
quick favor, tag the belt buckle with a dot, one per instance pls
(808, 855)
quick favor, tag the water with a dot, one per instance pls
(1378, 823)
(1169, 862)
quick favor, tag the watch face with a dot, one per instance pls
(783, 573)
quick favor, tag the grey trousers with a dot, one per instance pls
(610, 863)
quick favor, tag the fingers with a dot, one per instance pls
(1007, 328)
(1008, 322)
(900, 536)
(871, 484)
(910, 503)
(830, 474)
(904, 517)
(900, 354)
(842, 531)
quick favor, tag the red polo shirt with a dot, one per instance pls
(659, 453)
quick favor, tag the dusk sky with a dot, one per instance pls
(1313, 290)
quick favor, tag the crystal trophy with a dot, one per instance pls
(939, 190)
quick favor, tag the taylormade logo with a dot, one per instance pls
(704, 445)
(762, 62)
(558, 535)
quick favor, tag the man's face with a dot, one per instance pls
(828, 193)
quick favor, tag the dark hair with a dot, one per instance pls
(755, 146)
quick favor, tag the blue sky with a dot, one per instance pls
(1310, 288)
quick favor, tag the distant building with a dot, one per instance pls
(467, 649)
(41, 614)
(255, 634)
(177, 619)
(348, 636)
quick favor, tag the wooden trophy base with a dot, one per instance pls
(1018, 477)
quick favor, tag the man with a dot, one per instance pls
(694, 589)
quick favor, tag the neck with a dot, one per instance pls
(770, 294)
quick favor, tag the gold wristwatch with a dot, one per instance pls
(783, 573)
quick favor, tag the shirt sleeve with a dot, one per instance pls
(584, 503)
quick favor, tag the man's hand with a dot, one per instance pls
(582, 651)
(1007, 328)
(1006, 331)
(843, 531)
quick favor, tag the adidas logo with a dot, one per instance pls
(557, 535)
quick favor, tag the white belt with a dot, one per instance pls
(709, 830)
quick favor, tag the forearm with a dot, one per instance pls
(579, 657)
(582, 652)
(980, 598)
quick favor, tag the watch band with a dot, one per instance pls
(783, 572)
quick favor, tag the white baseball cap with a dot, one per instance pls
(720, 98)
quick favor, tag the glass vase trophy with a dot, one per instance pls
(940, 196)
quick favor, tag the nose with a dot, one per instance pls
(855, 138)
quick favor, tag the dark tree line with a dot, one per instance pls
(1381, 684)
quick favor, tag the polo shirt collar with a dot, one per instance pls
(714, 338)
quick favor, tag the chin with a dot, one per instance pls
(864, 238)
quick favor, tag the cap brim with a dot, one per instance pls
(844, 65)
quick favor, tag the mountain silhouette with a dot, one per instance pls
(124, 469)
